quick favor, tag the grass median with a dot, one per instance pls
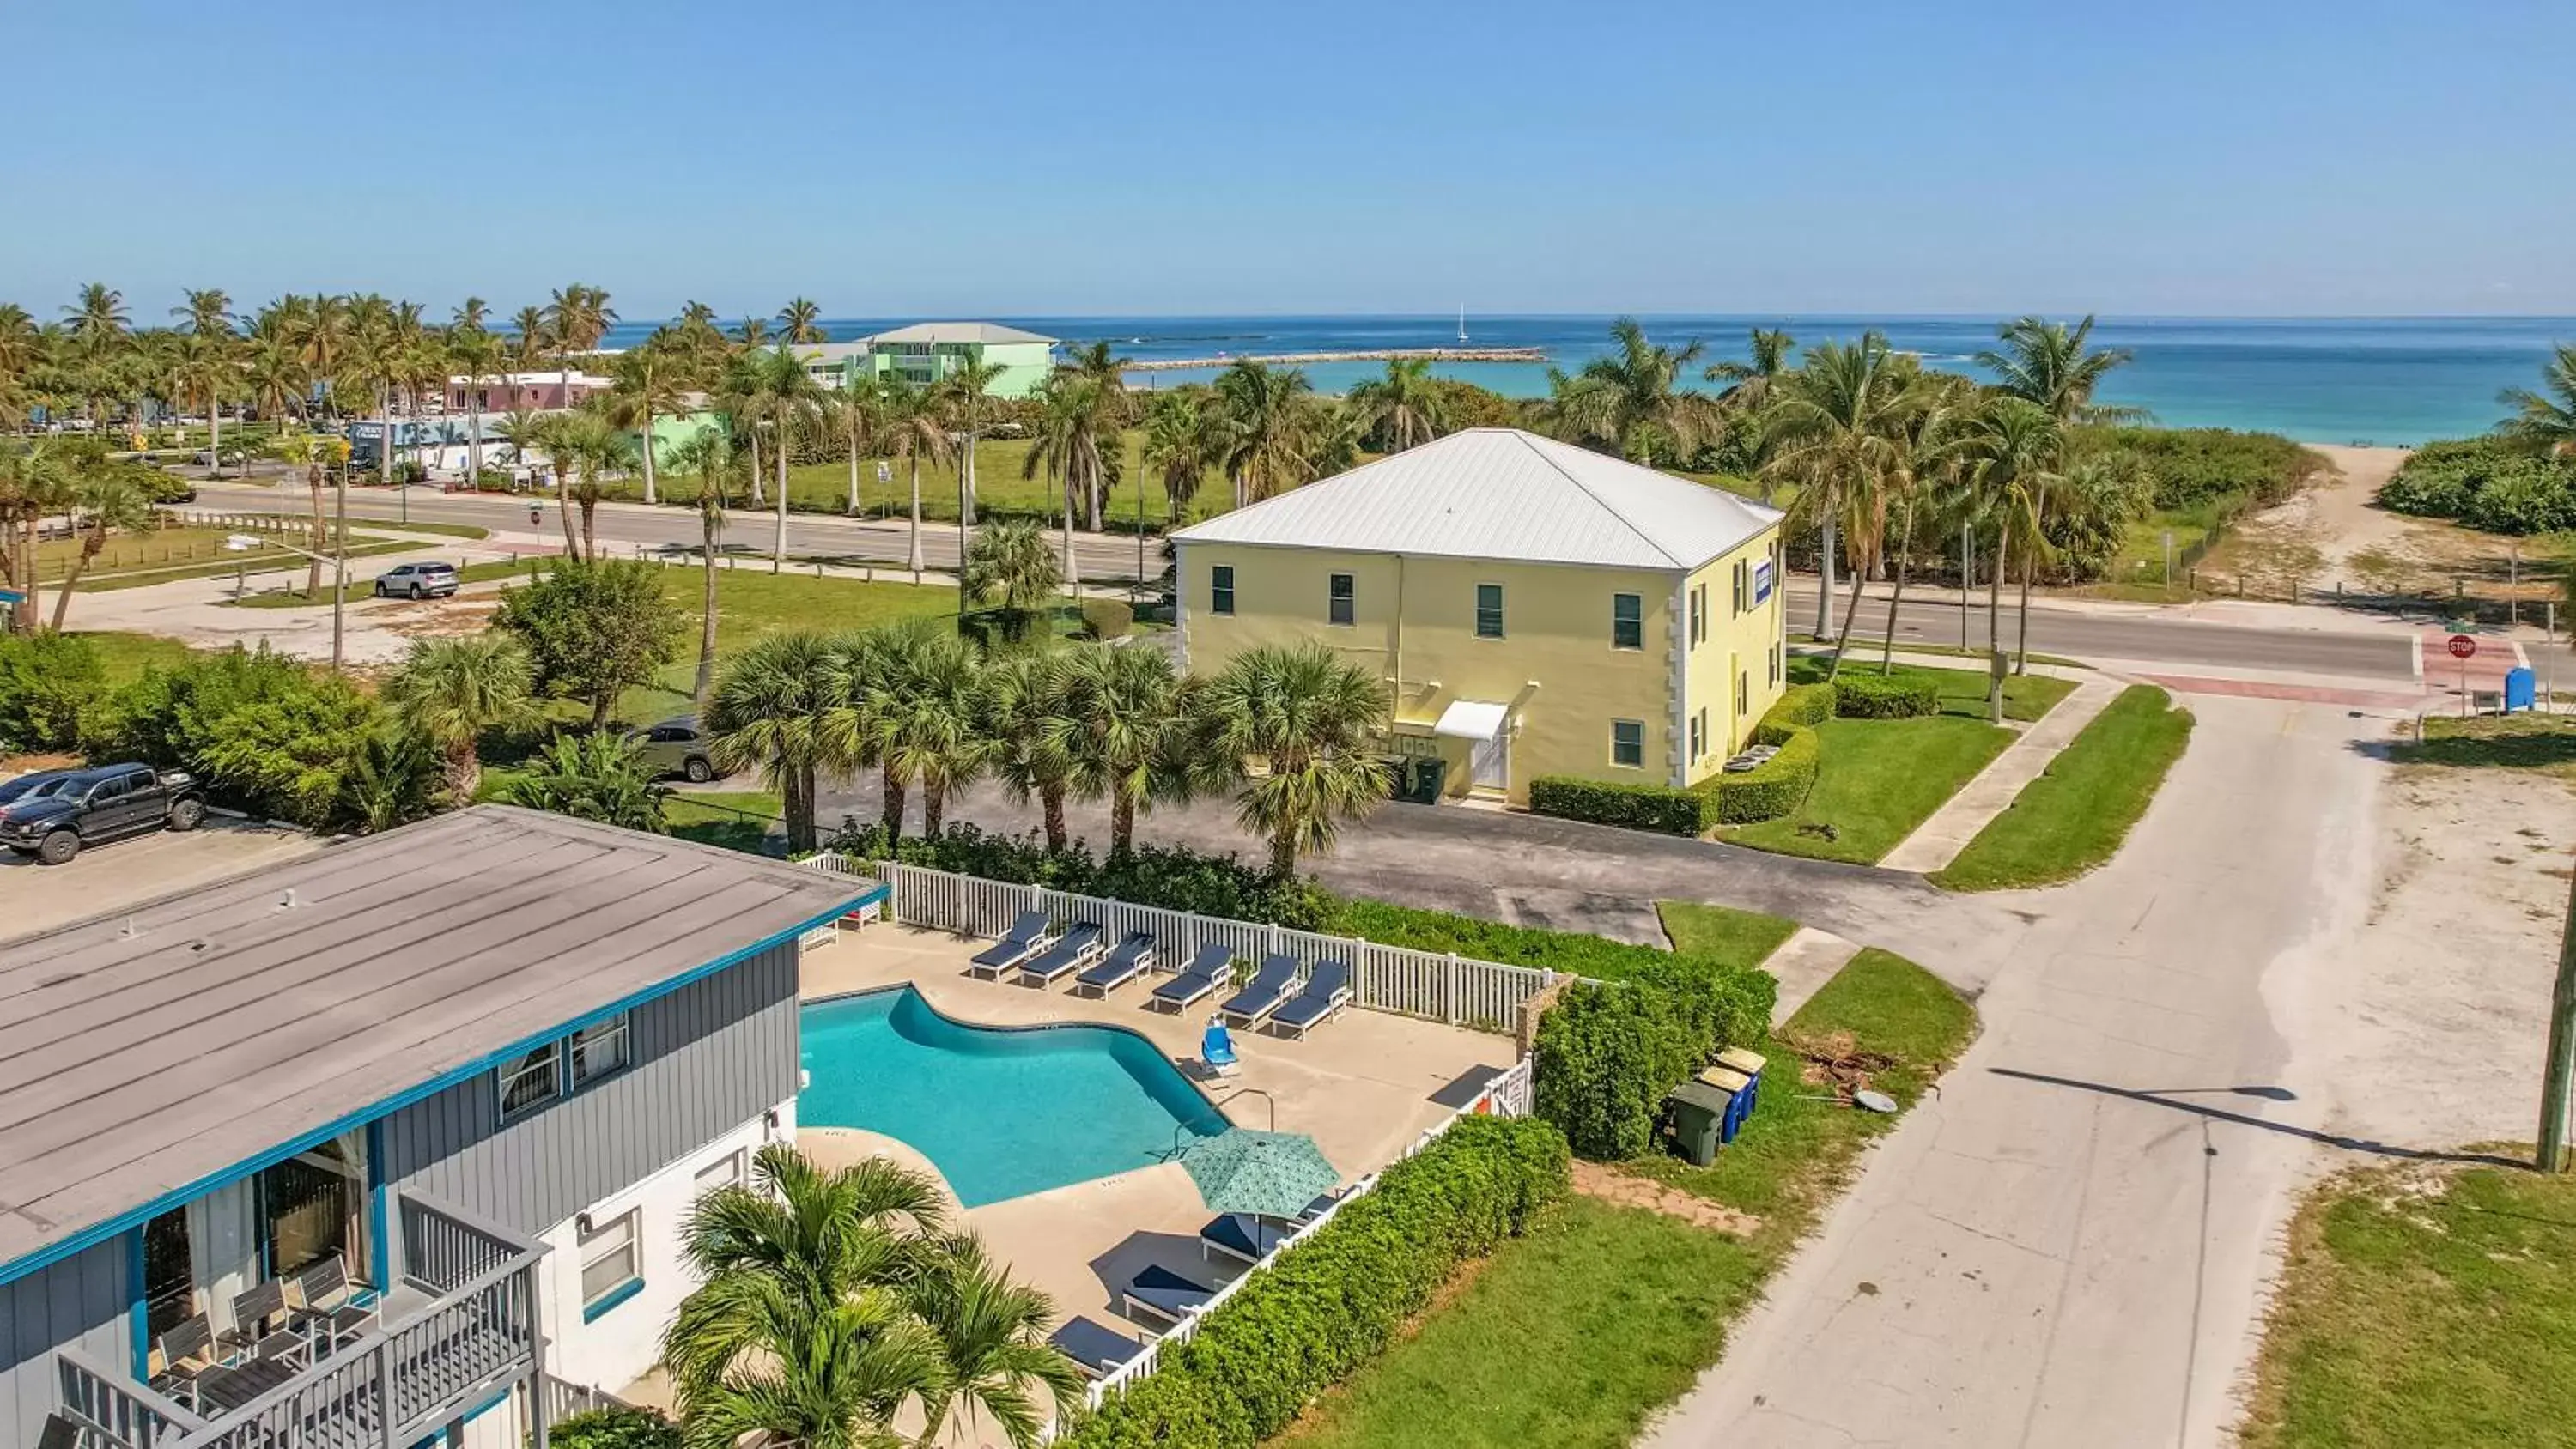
(2424, 1305)
(2074, 816)
(1575, 1334)
(1738, 938)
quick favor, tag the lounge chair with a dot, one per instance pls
(1071, 952)
(1253, 1238)
(1328, 989)
(1095, 1348)
(1269, 988)
(1126, 961)
(1027, 936)
(1158, 1292)
(1207, 971)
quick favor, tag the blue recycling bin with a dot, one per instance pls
(2520, 692)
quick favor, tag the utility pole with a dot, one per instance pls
(1967, 578)
(340, 561)
(2554, 1081)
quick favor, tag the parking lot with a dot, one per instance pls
(129, 872)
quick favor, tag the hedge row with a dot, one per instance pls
(1573, 953)
(1659, 808)
(1802, 704)
(1172, 878)
(1890, 696)
(1776, 786)
(1329, 1306)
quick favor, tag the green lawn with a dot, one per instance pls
(1963, 691)
(1739, 938)
(1864, 655)
(269, 561)
(753, 602)
(2424, 1306)
(736, 820)
(1571, 1336)
(2513, 742)
(294, 597)
(1878, 779)
(126, 657)
(2074, 816)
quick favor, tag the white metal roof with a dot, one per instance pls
(1502, 493)
(958, 332)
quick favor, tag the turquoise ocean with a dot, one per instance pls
(2319, 380)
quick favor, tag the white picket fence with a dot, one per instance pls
(1507, 1095)
(1458, 990)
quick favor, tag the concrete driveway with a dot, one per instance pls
(129, 872)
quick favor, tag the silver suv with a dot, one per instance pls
(417, 581)
(675, 747)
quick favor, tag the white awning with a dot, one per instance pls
(1471, 719)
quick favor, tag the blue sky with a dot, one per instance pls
(2268, 157)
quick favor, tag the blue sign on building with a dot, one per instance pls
(1762, 581)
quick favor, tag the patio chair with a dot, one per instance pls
(1216, 1049)
(252, 1311)
(58, 1433)
(1158, 1292)
(185, 1350)
(1095, 1348)
(1071, 952)
(1208, 970)
(1328, 989)
(1129, 959)
(322, 1301)
(1269, 988)
(1027, 936)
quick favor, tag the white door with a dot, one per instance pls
(1489, 764)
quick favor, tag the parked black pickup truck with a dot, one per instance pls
(104, 802)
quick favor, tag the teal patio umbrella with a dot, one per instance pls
(1266, 1174)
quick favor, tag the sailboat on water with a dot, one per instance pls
(1462, 326)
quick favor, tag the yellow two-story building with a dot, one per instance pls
(1534, 608)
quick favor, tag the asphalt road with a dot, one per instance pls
(2082, 634)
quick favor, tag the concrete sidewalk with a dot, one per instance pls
(1803, 964)
(1937, 841)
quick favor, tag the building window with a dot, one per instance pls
(1698, 735)
(1628, 743)
(1774, 652)
(612, 1264)
(1489, 611)
(599, 1050)
(1221, 589)
(1739, 586)
(1743, 691)
(1627, 621)
(535, 1080)
(1698, 613)
(1341, 608)
(724, 1172)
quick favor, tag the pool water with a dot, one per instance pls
(1001, 1112)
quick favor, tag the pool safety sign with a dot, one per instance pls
(1762, 581)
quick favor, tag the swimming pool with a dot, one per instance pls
(1002, 1112)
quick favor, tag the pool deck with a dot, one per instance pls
(1363, 1085)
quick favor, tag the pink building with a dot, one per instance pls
(521, 391)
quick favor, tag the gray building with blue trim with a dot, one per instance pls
(478, 1067)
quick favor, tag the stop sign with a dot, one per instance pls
(2462, 646)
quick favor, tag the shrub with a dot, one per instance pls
(1338, 1299)
(619, 1428)
(47, 683)
(1605, 1057)
(1773, 788)
(1173, 878)
(1886, 696)
(593, 629)
(1107, 618)
(2485, 483)
(1802, 704)
(1635, 806)
(2200, 465)
(1575, 953)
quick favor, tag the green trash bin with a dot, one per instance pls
(1430, 773)
(1699, 1120)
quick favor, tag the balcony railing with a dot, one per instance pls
(463, 1327)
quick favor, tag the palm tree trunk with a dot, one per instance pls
(563, 513)
(1122, 822)
(758, 496)
(473, 439)
(321, 536)
(1283, 850)
(23, 620)
(650, 495)
(1994, 630)
(1051, 798)
(854, 469)
(600, 709)
(934, 807)
(892, 789)
(916, 522)
(966, 473)
(385, 436)
(464, 772)
(1070, 584)
(215, 436)
(1825, 592)
(778, 544)
(1851, 615)
(1887, 646)
(589, 537)
(2021, 647)
(706, 681)
(90, 545)
(798, 806)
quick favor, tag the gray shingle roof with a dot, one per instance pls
(1501, 493)
(148, 1049)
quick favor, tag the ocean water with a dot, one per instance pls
(2319, 380)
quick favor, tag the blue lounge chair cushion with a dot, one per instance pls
(1202, 976)
(1271, 986)
(1070, 950)
(1327, 989)
(1241, 1235)
(1124, 963)
(1160, 1290)
(1015, 947)
(1095, 1348)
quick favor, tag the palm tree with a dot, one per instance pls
(205, 371)
(644, 384)
(1177, 448)
(1926, 479)
(2012, 450)
(860, 410)
(709, 454)
(104, 499)
(1632, 400)
(995, 1361)
(598, 776)
(915, 429)
(1074, 420)
(1311, 722)
(1401, 409)
(450, 691)
(477, 355)
(1028, 715)
(768, 711)
(1749, 383)
(927, 719)
(799, 322)
(1838, 429)
(772, 386)
(962, 392)
(532, 343)
(596, 447)
(1129, 709)
(2048, 365)
(578, 316)
(1260, 442)
(36, 480)
(2545, 421)
(1009, 560)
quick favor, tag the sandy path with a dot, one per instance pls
(2336, 518)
